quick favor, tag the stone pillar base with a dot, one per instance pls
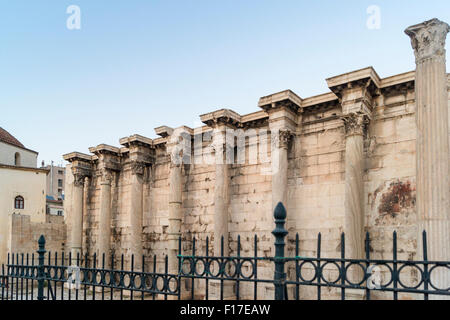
(229, 290)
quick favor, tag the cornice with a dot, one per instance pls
(223, 116)
(136, 139)
(105, 149)
(77, 156)
(287, 99)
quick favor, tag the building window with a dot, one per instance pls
(60, 212)
(19, 202)
(60, 172)
(60, 183)
(17, 159)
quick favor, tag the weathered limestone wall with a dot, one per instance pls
(390, 179)
(25, 235)
(315, 194)
(316, 188)
(344, 161)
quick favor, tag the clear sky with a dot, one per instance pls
(138, 64)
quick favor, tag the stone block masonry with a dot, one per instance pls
(369, 155)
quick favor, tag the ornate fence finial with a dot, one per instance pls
(280, 233)
(40, 271)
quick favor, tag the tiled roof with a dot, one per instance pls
(6, 137)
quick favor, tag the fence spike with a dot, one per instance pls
(280, 233)
(319, 244)
(367, 243)
(41, 251)
(239, 245)
(424, 244)
(343, 245)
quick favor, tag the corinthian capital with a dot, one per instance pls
(281, 138)
(137, 167)
(79, 175)
(106, 176)
(78, 179)
(428, 39)
(355, 123)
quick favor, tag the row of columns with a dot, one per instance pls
(107, 168)
(356, 97)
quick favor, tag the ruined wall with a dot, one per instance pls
(25, 235)
(315, 199)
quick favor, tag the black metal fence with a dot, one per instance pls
(65, 277)
(82, 278)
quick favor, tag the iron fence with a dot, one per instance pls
(46, 276)
(82, 277)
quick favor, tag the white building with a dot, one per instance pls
(22, 193)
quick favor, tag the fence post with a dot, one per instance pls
(40, 271)
(280, 233)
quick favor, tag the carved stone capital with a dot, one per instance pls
(221, 144)
(175, 157)
(78, 179)
(79, 175)
(280, 138)
(137, 167)
(355, 123)
(106, 176)
(428, 39)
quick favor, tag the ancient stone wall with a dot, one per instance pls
(343, 161)
(25, 235)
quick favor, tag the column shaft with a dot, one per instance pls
(175, 215)
(221, 201)
(136, 219)
(354, 197)
(104, 245)
(279, 151)
(77, 215)
(432, 143)
(433, 156)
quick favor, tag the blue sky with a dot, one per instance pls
(138, 64)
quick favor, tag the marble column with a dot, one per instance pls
(136, 212)
(175, 214)
(354, 185)
(77, 214)
(432, 143)
(221, 204)
(354, 124)
(221, 193)
(104, 241)
(279, 155)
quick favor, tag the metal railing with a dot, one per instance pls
(65, 277)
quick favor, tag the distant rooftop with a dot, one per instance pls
(6, 137)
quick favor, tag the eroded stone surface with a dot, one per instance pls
(347, 154)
